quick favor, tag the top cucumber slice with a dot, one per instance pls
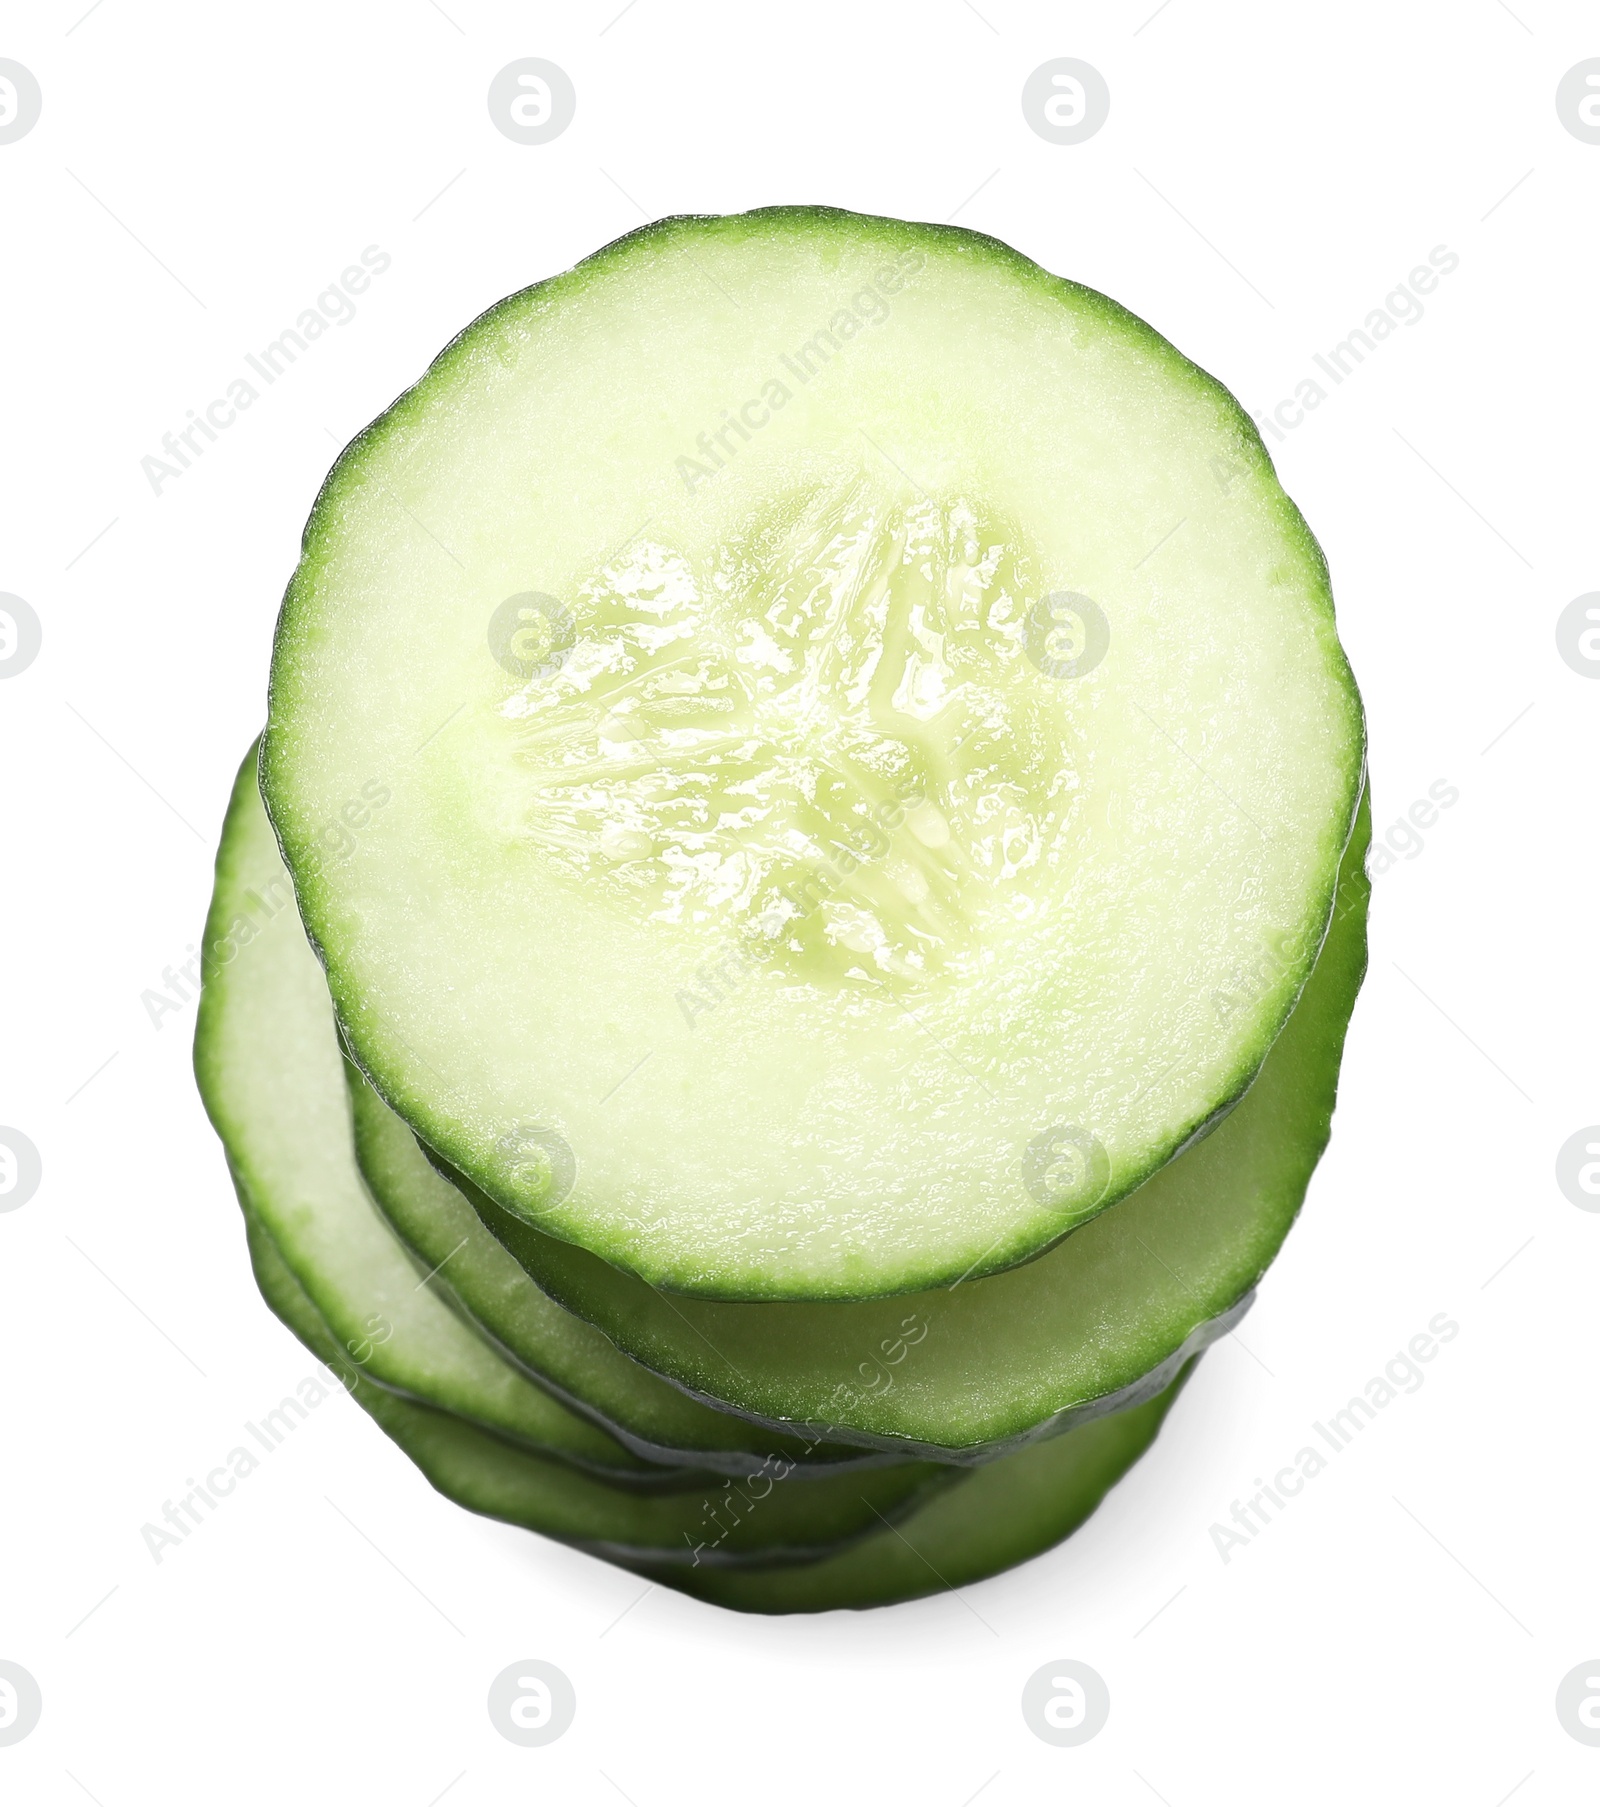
(969, 1372)
(779, 737)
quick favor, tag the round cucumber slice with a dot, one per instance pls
(999, 1516)
(734, 1525)
(962, 1373)
(788, 846)
(268, 1062)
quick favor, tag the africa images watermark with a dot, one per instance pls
(1281, 952)
(1402, 839)
(335, 842)
(869, 306)
(181, 1518)
(1402, 306)
(1401, 1374)
(335, 306)
(738, 1499)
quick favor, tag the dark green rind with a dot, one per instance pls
(481, 335)
(998, 1517)
(1024, 1354)
(797, 1522)
(568, 1356)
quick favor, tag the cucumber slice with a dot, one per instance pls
(999, 1516)
(963, 1373)
(797, 1522)
(268, 1062)
(791, 853)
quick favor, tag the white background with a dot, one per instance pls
(1268, 174)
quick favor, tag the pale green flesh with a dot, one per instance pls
(271, 1073)
(795, 716)
(781, 1519)
(961, 1373)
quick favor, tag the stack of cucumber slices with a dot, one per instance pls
(779, 970)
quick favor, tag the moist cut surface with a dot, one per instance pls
(846, 702)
